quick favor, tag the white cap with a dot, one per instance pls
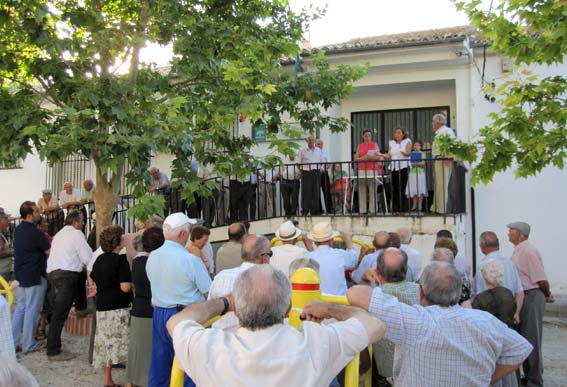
(178, 219)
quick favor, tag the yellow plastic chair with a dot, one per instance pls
(5, 290)
(277, 242)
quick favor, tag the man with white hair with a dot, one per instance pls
(70, 197)
(490, 247)
(443, 168)
(159, 181)
(439, 342)
(288, 251)
(264, 351)
(414, 256)
(255, 251)
(177, 279)
(536, 290)
(310, 157)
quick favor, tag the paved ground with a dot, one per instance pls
(80, 374)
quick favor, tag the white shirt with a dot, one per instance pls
(6, 340)
(284, 255)
(414, 263)
(69, 251)
(308, 156)
(463, 265)
(222, 285)
(446, 346)
(276, 356)
(511, 280)
(399, 161)
(74, 196)
(332, 266)
(442, 131)
(92, 261)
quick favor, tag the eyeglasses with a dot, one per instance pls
(269, 253)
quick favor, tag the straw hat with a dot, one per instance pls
(287, 231)
(322, 232)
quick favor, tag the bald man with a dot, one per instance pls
(380, 242)
(229, 254)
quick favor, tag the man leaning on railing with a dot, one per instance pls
(280, 354)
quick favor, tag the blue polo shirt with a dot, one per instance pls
(30, 260)
(176, 277)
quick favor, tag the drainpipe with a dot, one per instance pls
(473, 227)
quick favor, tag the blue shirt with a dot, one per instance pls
(511, 280)
(30, 261)
(176, 277)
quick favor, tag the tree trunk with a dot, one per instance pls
(106, 198)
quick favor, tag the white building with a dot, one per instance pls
(411, 77)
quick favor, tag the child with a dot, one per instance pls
(339, 187)
(417, 188)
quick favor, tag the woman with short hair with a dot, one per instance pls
(111, 273)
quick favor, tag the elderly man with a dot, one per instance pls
(255, 251)
(444, 254)
(390, 274)
(229, 255)
(536, 290)
(462, 264)
(440, 343)
(381, 241)
(325, 181)
(87, 192)
(289, 187)
(333, 262)
(288, 251)
(177, 279)
(6, 251)
(30, 257)
(414, 256)
(490, 247)
(70, 253)
(264, 351)
(70, 197)
(443, 168)
(310, 157)
(49, 207)
(159, 180)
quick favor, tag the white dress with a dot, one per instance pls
(416, 182)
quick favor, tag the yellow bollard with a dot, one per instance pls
(177, 375)
(5, 289)
(305, 286)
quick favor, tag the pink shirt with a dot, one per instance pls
(529, 264)
(363, 149)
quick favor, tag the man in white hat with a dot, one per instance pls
(536, 293)
(177, 279)
(333, 262)
(288, 251)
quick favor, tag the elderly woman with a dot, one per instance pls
(140, 349)
(498, 301)
(111, 274)
(199, 238)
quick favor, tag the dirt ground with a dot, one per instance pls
(79, 373)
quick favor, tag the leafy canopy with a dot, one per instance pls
(71, 82)
(529, 129)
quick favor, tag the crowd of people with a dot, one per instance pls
(154, 290)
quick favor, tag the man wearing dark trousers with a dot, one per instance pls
(289, 187)
(70, 253)
(310, 158)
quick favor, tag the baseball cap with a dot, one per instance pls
(178, 219)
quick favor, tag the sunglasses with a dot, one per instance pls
(269, 253)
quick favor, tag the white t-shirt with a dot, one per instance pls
(284, 255)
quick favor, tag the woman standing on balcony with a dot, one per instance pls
(399, 152)
(368, 154)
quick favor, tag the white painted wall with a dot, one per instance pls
(19, 185)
